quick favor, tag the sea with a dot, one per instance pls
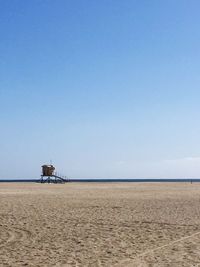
(113, 180)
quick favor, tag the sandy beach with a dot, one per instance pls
(100, 224)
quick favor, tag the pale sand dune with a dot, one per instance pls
(111, 224)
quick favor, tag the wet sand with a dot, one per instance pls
(100, 224)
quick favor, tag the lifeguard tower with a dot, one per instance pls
(50, 176)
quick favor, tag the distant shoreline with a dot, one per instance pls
(108, 180)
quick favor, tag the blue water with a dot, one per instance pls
(112, 180)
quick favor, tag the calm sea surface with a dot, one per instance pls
(112, 180)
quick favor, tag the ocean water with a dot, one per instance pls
(108, 180)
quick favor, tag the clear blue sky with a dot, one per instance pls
(101, 88)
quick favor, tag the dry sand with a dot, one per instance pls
(93, 224)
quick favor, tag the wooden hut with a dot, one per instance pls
(48, 170)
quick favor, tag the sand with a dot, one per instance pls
(96, 224)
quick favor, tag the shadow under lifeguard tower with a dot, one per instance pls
(50, 176)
